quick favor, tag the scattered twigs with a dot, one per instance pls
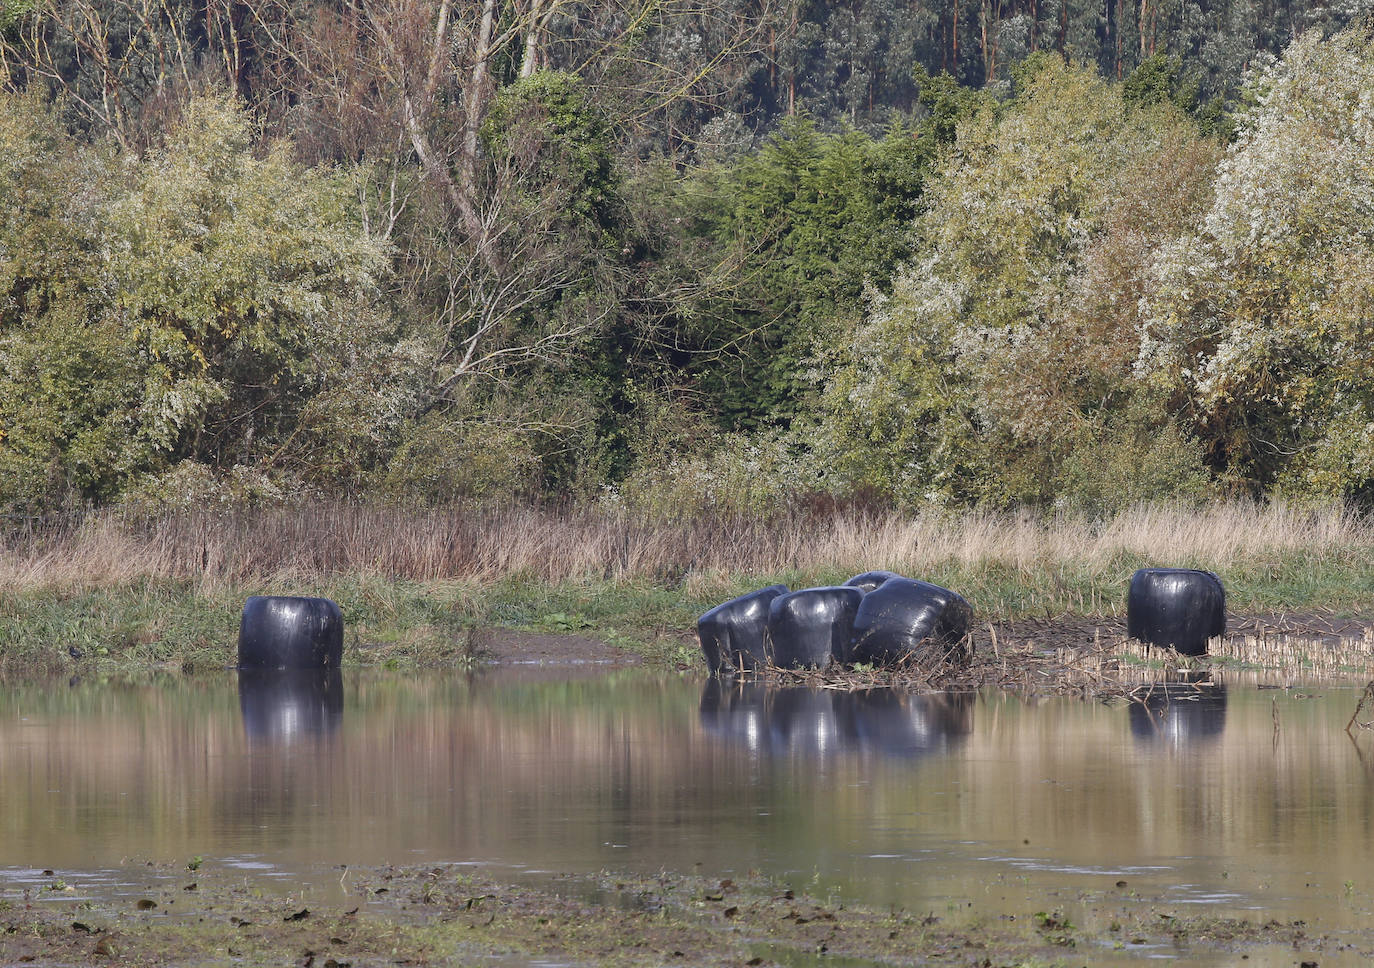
(1097, 669)
(1366, 698)
(1104, 666)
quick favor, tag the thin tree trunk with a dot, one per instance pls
(530, 60)
(476, 95)
(954, 41)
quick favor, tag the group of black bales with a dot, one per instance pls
(879, 618)
(883, 619)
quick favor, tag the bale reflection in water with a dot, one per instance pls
(790, 720)
(1179, 714)
(283, 706)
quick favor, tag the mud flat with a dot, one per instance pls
(450, 915)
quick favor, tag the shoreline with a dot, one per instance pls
(160, 626)
(459, 913)
(118, 592)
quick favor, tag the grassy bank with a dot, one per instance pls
(416, 586)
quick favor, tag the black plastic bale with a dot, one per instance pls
(1177, 607)
(733, 635)
(290, 632)
(870, 580)
(905, 619)
(808, 629)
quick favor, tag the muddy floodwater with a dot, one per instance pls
(1235, 796)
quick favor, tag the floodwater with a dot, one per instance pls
(1237, 797)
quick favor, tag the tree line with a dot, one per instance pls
(683, 255)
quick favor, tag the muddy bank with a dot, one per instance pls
(512, 646)
(455, 914)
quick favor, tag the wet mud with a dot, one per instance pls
(455, 914)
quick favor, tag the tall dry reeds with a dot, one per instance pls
(219, 549)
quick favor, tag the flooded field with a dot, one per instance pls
(1235, 796)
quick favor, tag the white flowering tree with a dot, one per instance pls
(1265, 316)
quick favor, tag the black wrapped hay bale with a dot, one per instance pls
(902, 618)
(1178, 607)
(809, 628)
(870, 580)
(733, 635)
(288, 632)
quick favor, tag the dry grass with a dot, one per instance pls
(1100, 668)
(1106, 666)
(219, 549)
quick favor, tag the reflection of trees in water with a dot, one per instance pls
(796, 720)
(1179, 713)
(283, 706)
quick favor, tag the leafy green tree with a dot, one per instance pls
(802, 223)
(521, 325)
(67, 376)
(242, 277)
(186, 306)
(1008, 344)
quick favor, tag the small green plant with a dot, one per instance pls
(565, 622)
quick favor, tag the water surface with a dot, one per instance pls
(1242, 799)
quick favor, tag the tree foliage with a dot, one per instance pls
(804, 221)
(688, 255)
(1008, 345)
(206, 296)
(1263, 317)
